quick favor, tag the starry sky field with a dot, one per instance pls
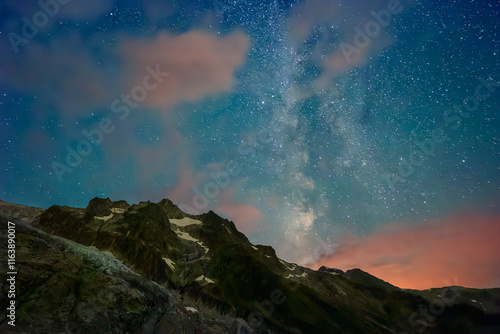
(342, 133)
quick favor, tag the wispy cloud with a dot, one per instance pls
(199, 64)
(423, 256)
(245, 217)
(63, 74)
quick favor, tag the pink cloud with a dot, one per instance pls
(182, 194)
(337, 24)
(463, 247)
(341, 61)
(157, 163)
(245, 217)
(199, 64)
(63, 74)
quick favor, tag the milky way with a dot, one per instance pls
(311, 124)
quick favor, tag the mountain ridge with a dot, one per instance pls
(212, 278)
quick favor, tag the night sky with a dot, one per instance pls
(342, 133)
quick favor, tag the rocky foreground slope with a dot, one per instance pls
(151, 268)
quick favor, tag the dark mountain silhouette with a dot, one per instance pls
(151, 268)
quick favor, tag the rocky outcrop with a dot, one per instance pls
(19, 212)
(361, 277)
(65, 287)
(151, 268)
(333, 271)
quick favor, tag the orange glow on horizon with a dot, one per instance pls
(455, 250)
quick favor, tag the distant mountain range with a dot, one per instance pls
(151, 268)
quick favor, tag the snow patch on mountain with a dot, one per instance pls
(289, 266)
(108, 217)
(204, 278)
(187, 236)
(191, 309)
(169, 262)
(304, 274)
(185, 221)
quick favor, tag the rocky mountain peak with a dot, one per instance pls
(171, 210)
(149, 267)
(362, 277)
(333, 271)
(98, 207)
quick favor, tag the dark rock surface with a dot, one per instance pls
(151, 268)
